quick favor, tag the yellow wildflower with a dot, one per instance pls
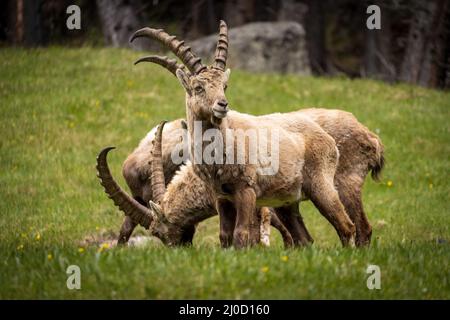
(80, 250)
(389, 183)
(49, 257)
(284, 258)
(20, 247)
(265, 269)
(38, 236)
(103, 247)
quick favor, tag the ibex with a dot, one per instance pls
(307, 154)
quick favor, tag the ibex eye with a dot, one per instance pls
(225, 87)
(198, 89)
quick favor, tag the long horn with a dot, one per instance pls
(184, 53)
(157, 178)
(169, 64)
(220, 57)
(138, 213)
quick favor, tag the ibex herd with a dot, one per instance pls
(323, 156)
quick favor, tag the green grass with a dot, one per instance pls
(59, 107)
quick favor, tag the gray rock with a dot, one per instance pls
(262, 47)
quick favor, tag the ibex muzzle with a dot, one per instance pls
(220, 108)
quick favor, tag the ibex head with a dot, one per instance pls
(160, 226)
(152, 218)
(204, 85)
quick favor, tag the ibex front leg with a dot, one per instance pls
(227, 218)
(126, 230)
(246, 217)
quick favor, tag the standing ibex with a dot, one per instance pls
(307, 154)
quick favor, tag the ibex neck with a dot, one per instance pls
(208, 156)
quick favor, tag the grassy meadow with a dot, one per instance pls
(59, 107)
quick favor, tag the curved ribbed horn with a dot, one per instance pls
(157, 178)
(220, 57)
(184, 53)
(138, 213)
(169, 64)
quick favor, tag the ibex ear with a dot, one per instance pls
(184, 79)
(184, 124)
(227, 74)
(156, 211)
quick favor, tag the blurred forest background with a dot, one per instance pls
(330, 37)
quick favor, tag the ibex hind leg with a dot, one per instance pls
(128, 226)
(188, 236)
(350, 195)
(227, 218)
(260, 229)
(265, 217)
(292, 220)
(285, 234)
(327, 201)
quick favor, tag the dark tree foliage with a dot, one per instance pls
(413, 44)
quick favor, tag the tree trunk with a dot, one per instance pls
(370, 56)
(119, 19)
(291, 10)
(377, 60)
(434, 55)
(315, 36)
(238, 12)
(203, 19)
(12, 24)
(32, 33)
(419, 31)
